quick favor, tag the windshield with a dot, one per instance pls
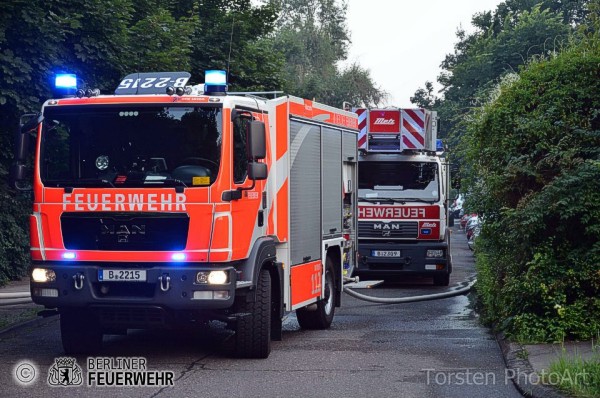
(402, 181)
(141, 146)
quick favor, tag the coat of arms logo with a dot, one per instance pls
(65, 372)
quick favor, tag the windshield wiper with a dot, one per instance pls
(81, 181)
(396, 200)
(419, 200)
(378, 200)
(179, 185)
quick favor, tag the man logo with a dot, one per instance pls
(386, 227)
(65, 372)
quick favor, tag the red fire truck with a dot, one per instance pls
(167, 204)
(403, 188)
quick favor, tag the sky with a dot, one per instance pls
(402, 43)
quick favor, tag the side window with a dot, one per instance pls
(240, 156)
(57, 145)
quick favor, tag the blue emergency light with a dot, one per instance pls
(65, 84)
(65, 80)
(439, 145)
(215, 82)
(178, 256)
(69, 256)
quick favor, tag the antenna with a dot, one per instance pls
(230, 44)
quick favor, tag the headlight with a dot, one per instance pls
(217, 277)
(43, 275)
(435, 253)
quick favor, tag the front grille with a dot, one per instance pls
(124, 231)
(388, 230)
(124, 289)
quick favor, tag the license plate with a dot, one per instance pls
(122, 275)
(385, 253)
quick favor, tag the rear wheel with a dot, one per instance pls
(321, 314)
(80, 332)
(253, 330)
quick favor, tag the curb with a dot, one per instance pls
(38, 321)
(525, 378)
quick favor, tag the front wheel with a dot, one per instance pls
(321, 316)
(253, 330)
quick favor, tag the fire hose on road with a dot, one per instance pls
(14, 298)
(460, 289)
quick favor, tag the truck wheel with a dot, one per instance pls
(322, 316)
(80, 333)
(253, 331)
(441, 280)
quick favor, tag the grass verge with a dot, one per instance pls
(576, 376)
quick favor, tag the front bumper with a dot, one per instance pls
(168, 287)
(412, 260)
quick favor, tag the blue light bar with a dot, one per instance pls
(215, 77)
(69, 256)
(65, 81)
(178, 257)
(215, 81)
(439, 145)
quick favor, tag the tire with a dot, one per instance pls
(322, 316)
(441, 280)
(80, 333)
(252, 337)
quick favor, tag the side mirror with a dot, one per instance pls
(19, 170)
(257, 171)
(257, 140)
(29, 122)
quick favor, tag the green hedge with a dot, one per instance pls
(536, 152)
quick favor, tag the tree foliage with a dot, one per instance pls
(102, 41)
(535, 148)
(520, 105)
(503, 41)
(313, 37)
(273, 45)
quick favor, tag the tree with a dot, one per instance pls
(536, 148)
(313, 37)
(102, 41)
(424, 97)
(504, 40)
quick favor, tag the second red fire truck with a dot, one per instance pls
(403, 187)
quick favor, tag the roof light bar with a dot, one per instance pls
(439, 145)
(65, 81)
(215, 82)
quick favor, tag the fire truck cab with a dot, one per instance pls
(168, 204)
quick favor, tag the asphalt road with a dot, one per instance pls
(426, 349)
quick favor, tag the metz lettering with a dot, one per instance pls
(124, 202)
(384, 121)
